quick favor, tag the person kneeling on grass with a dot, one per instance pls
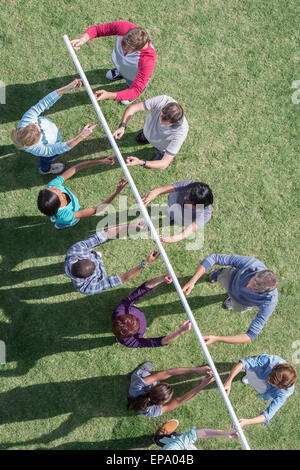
(165, 128)
(168, 439)
(129, 323)
(271, 377)
(189, 205)
(248, 283)
(62, 206)
(85, 266)
(151, 398)
(39, 135)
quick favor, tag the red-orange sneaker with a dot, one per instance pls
(169, 427)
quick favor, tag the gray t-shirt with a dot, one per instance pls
(165, 138)
(138, 387)
(183, 214)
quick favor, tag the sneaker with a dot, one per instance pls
(148, 366)
(55, 168)
(213, 277)
(169, 427)
(126, 102)
(245, 380)
(140, 138)
(113, 74)
(227, 303)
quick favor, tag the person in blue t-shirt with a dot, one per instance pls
(248, 283)
(271, 377)
(62, 206)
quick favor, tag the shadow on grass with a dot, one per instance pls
(21, 96)
(138, 442)
(83, 400)
(13, 160)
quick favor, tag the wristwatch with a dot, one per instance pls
(143, 264)
(144, 164)
(123, 124)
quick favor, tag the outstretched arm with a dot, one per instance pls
(129, 112)
(133, 272)
(235, 371)
(166, 374)
(180, 236)
(175, 402)
(189, 286)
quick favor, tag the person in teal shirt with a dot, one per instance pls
(39, 135)
(62, 206)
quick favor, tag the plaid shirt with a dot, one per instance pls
(99, 280)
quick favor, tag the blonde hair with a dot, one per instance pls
(27, 136)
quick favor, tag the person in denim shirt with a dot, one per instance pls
(248, 283)
(271, 377)
(39, 135)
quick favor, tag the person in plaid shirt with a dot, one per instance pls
(86, 269)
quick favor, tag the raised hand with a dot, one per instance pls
(77, 43)
(118, 134)
(133, 161)
(111, 160)
(88, 130)
(77, 83)
(121, 185)
(152, 257)
(187, 289)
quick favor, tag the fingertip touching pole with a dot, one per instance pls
(157, 241)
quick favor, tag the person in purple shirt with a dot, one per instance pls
(129, 323)
(248, 283)
(189, 206)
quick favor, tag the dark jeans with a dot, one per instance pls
(45, 162)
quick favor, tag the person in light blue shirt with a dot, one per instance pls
(62, 206)
(248, 283)
(170, 440)
(39, 135)
(271, 377)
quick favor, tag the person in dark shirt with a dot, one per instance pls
(129, 323)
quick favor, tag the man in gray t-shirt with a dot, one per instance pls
(165, 128)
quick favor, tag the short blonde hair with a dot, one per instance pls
(26, 136)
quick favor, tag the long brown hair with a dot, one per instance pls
(160, 394)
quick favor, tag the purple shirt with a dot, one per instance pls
(127, 307)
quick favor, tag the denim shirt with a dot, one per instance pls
(246, 268)
(50, 143)
(262, 366)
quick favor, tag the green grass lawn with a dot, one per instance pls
(231, 66)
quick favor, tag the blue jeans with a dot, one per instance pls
(45, 162)
(159, 155)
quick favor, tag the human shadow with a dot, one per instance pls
(21, 96)
(138, 442)
(96, 397)
(12, 163)
(82, 400)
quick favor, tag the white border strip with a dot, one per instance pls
(157, 241)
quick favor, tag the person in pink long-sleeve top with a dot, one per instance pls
(134, 58)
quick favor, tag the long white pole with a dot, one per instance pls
(157, 241)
